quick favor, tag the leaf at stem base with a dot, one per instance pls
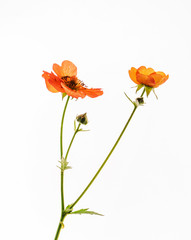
(85, 211)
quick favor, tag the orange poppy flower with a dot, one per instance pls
(66, 81)
(147, 77)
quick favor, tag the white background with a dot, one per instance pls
(145, 189)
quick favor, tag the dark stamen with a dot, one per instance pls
(72, 82)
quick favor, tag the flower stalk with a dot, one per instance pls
(111, 151)
(64, 211)
(76, 131)
(61, 155)
(62, 172)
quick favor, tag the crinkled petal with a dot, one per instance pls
(46, 76)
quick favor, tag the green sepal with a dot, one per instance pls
(63, 95)
(139, 87)
(85, 211)
(148, 90)
(155, 94)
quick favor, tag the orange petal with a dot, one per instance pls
(159, 78)
(145, 71)
(57, 69)
(93, 92)
(132, 74)
(68, 69)
(56, 82)
(46, 76)
(162, 74)
(144, 79)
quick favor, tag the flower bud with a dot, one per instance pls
(82, 118)
(139, 101)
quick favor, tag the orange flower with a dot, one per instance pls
(147, 76)
(66, 82)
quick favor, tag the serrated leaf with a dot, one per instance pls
(85, 211)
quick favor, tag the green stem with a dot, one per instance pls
(61, 155)
(61, 128)
(62, 173)
(77, 129)
(63, 214)
(103, 164)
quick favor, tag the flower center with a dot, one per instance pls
(72, 82)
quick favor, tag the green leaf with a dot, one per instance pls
(85, 211)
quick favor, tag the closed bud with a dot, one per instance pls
(82, 118)
(139, 101)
